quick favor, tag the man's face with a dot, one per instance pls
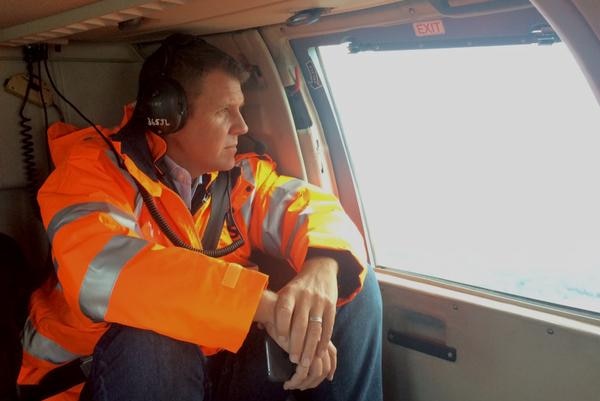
(208, 140)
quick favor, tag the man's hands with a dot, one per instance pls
(321, 367)
(309, 297)
(301, 317)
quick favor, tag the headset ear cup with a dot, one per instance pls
(162, 106)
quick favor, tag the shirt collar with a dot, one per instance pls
(185, 185)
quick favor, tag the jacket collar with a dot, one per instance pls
(146, 150)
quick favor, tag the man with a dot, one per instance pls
(170, 322)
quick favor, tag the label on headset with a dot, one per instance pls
(158, 122)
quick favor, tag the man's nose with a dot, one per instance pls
(240, 127)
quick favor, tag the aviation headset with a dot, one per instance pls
(161, 103)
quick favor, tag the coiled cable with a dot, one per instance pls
(27, 144)
(174, 238)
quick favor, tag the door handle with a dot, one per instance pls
(423, 345)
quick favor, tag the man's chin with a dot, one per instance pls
(226, 166)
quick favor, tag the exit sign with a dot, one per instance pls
(429, 28)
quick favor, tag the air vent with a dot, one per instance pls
(58, 28)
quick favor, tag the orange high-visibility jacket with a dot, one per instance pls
(115, 265)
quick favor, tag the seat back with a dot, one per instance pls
(14, 296)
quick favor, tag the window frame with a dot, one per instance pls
(510, 27)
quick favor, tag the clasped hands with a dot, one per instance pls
(300, 319)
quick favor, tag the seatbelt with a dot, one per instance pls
(57, 380)
(219, 206)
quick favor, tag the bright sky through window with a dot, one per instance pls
(478, 165)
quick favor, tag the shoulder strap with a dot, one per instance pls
(218, 209)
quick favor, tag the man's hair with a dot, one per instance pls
(187, 59)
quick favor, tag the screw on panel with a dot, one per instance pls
(550, 331)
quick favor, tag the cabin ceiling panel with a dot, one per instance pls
(16, 12)
(28, 21)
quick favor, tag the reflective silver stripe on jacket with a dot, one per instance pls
(303, 217)
(41, 347)
(137, 210)
(126, 174)
(278, 204)
(74, 212)
(102, 274)
(248, 175)
(300, 221)
(129, 178)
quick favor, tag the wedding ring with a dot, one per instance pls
(316, 319)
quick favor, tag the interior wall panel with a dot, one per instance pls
(503, 352)
(98, 79)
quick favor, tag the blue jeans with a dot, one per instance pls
(132, 364)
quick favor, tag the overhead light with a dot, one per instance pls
(307, 17)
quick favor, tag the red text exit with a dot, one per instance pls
(429, 28)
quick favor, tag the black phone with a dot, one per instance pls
(279, 366)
